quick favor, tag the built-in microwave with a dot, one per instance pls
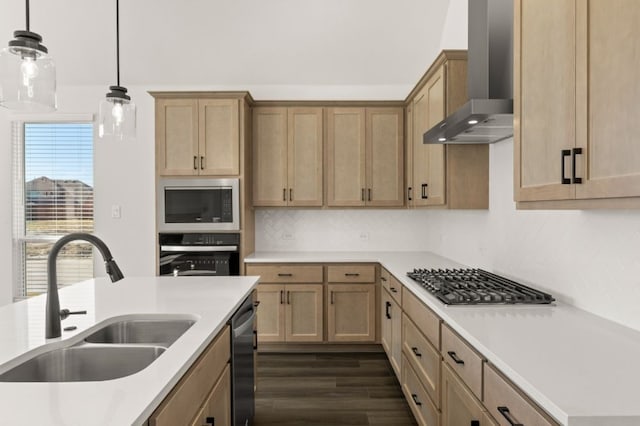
(186, 205)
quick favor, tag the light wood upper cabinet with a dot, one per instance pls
(576, 108)
(365, 149)
(346, 162)
(450, 176)
(287, 156)
(270, 156)
(544, 99)
(197, 137)
(177, 137)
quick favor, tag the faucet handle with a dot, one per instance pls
(64, 313)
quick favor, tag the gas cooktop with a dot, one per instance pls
(476, 287)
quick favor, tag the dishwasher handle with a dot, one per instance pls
(245, 325)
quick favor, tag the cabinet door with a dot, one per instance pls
(396, 337)
(219, 137)
(384, 155)
(303, 312)
(177, 137)
(217, 408)
(409, 192)
(351, 312)
(270, 157)
(459, 406)
(435, 191)
(544, 98)
(385, 319)
(608, 90)
(428, 160)
(305, 157)
(346, 178)
(271, 313)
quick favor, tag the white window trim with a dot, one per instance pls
(17, 187)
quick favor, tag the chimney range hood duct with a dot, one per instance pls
(488, 115)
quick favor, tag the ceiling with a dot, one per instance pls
(236, 42)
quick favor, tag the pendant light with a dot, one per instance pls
(27, 73)
(117, 116)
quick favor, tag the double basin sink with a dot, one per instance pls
(116, 350)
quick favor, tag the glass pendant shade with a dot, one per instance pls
(27, 75)
(117, 115)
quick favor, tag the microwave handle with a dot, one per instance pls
(198, 248)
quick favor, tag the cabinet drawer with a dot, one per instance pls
(427, 321)
(351, 273)
(423, 409)
(504, 401)
(287, 273)
(392, 285)
(423, 357)
(466, 362)
(191, 391)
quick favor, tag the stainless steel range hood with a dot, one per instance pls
(488, 115)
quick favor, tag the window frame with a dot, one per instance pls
(19, 238)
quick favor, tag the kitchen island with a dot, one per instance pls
(129, 400)
(579, 368)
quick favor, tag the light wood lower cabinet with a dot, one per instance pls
(217, 409)
(351, 312)
(290, 313)
(425, 412)
(510, 406)
(202, 390)
(391, 330)
(459, 406)
(423, 357)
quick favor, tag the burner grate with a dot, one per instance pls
(476, 287)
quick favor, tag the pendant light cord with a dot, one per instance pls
(117, 39)
(27, 15)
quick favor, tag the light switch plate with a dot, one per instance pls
(116, 212)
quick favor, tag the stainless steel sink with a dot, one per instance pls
(142, 331)
(84, 363)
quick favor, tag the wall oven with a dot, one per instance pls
(198, 205)
(185, 254)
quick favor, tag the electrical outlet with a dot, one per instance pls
(288, 236)
(364, 236)
(116, 212)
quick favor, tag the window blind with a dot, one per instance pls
(53, 196)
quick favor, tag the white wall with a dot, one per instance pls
(587, 258)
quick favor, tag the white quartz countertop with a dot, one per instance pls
(582, 369)
(127, 400)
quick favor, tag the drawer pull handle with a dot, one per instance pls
(195, 162)
(409, 198)
(475, 422)
(331, 298)
(383, 279)
(415, 399)
(285, 275)
(288, 297)
(369, 192)
(565, 153)
(393, 290)
(201, 162)
(415, 352)
(455, 358)
(284, 194)
(256, 303)
(210, 421)
(574, 179)
(424, 191)
(351, 274)
(282, 297)
(386, 310)
(507, 415)
(255, 340)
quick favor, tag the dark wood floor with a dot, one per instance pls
(329, 390)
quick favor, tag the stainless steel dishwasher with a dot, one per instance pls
(242, 375)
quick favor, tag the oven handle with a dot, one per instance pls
(198, 248)
(246, 325)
